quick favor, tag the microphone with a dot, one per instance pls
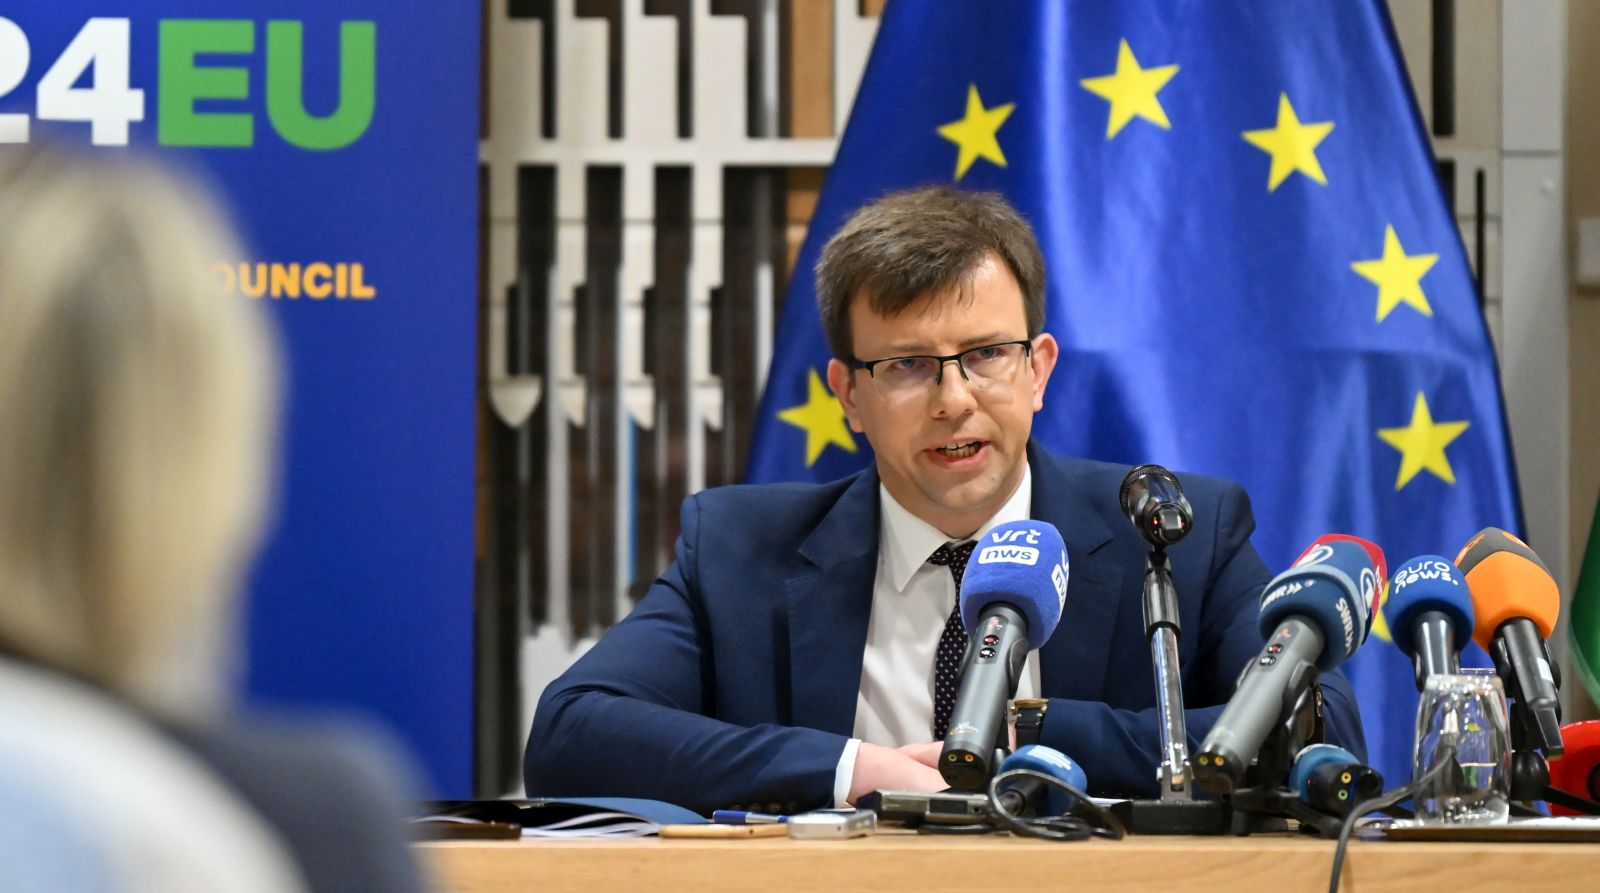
(1429, 612)
(1516, 602)
(1012, 593)
(1379, 563)
(1031, 797)
(1153, 500)
(1314, 616)
(1330, 779)
(1577, 770)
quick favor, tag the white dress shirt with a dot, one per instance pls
(911, 600)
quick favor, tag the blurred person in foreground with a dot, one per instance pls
(137, 407)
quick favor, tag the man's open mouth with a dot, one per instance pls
(960, 450)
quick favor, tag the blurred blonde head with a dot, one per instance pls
(136, 406)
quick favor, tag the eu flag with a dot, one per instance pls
(1252, 269)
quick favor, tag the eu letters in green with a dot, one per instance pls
(184, 83)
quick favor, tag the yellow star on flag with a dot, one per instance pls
(1132, 90)
(822, 418)
(1398, 277)
(975, 134)
(1292, 145)
(1421, 444)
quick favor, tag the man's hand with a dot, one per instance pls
(885, 768)
(927, 752)
(924, 752)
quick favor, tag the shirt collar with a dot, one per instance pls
(905, 541)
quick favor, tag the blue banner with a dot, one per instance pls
(1252, 270)
(343, 135)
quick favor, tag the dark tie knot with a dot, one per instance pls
(952, 554)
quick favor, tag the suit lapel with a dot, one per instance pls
(1073, 663)
(830, 605)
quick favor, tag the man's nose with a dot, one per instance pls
(953, 390)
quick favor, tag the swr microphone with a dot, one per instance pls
(1031, 797)
(1012, 593)
(1153, 500)
(1331, 779)
(1429, 613)
(1516, 602)
(1314, 615)
(1379, 563)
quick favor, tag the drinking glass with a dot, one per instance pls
(1462, 761)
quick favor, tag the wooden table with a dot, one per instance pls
(899, 861)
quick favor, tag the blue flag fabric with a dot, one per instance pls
(1252, 269)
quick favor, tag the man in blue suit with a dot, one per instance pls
(801, 651)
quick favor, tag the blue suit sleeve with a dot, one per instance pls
(1120, 749)
(635, 717)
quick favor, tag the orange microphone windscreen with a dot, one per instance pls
(1507, 580)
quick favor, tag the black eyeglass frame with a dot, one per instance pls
(938, 375)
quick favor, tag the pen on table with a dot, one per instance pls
(739, 817)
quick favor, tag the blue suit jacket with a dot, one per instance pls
(734, 681)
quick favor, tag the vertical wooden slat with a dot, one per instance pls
(1480, 230)
(530, 308)
(1444, 67)
(488, 669)
(545, 13)
(807, 50)
(683, 11)
(594, 523)
(804, 187)
(661, 455)
(1446, 168)
(611, 11)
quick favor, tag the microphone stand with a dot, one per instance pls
(1265, 801)
(1161, 627)
(1177, 812)
(1530, 769)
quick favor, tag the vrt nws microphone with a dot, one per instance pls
(1516, 602)
(1429, 613)
(1314, 615)
(1153, 500)
(1030, 797)
(1012, 593)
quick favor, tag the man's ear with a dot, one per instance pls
(1045, 353)
(844, 387)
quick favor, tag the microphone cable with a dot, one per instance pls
(1571, 801)
(1099, 822)
(1444, 761)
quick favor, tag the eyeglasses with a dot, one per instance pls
(981, 367)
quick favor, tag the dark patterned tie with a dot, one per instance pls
(952, 642)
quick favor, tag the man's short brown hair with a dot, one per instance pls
(922, 241)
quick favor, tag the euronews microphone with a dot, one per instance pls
(1012, 593)
(1314, 615)
(1429, 613)
(1516, 602)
